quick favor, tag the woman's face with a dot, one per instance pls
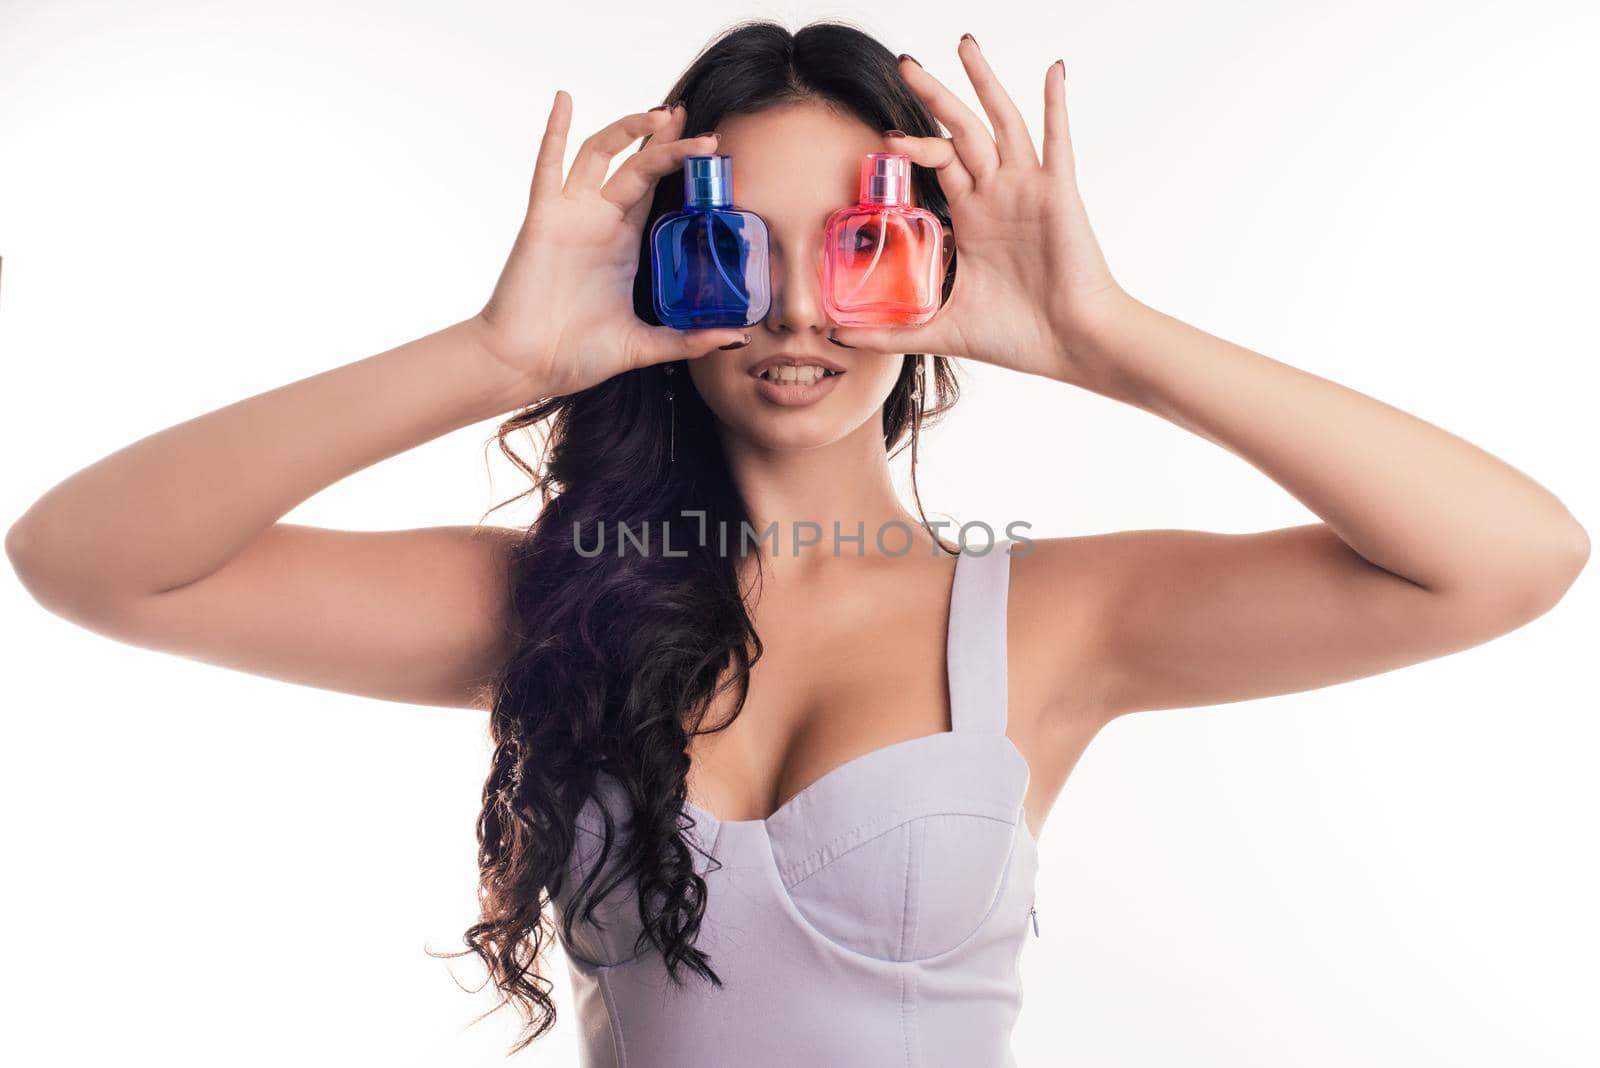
(795, 165)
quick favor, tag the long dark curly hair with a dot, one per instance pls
(618, 657)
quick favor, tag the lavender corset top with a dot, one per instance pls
(878, 917)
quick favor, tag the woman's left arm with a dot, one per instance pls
(1409, 497)
(1428, 544)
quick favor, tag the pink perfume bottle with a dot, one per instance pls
(883, 258)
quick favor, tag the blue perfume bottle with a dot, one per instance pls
(709, 261)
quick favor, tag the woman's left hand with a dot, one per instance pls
(1030, 277)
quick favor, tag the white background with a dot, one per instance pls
(202, 201)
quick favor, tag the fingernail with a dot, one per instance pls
(894, 133)
(908, 55)
(708, 133)
(662, 107)
(974, 40)
(736, 344)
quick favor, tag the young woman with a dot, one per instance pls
(814, 778)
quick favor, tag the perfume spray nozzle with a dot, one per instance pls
(708, 181)
(886, 178)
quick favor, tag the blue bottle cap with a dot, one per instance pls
(708, 181)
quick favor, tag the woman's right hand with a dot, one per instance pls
(561, 318)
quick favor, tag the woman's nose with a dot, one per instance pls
(797, 295)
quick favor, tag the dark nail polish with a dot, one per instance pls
(908, 55)
(662, 107)
(894, 133)
(736, 344)
(969, 37)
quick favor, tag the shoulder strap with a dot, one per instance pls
(976, 649)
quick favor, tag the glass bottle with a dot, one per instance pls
(709, 261)
(883, 258)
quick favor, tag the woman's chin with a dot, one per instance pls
(794, 438)
(752, 419)
(790, 431)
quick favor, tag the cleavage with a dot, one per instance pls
(823, 696)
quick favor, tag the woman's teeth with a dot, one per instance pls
(805, 376)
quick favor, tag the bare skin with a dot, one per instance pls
(1426, 545)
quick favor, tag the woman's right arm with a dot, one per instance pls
(174, 543)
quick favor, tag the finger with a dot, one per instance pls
(635, 213)
(978, 152)
(599, 148)
(1058, 158)
(647, 345)
(932, 336)
(1010, 128)
(552, 150)
(939, 154)
(636, 179)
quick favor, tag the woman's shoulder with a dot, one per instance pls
(1059, 592)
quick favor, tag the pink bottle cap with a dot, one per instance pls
(886, 178)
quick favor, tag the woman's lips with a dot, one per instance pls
(795, 359)
(796, 394)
